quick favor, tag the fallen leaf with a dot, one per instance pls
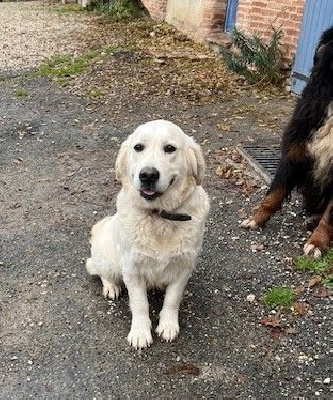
(299, 289)
(292, 331)
(271, 321)
(322, 292)
(276, 334)
(183, 369)
(219, 171)
(300, 308)
(224, 127)
(314, 281)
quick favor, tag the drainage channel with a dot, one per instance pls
(264, 160)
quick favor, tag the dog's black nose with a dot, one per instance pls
(149, 175)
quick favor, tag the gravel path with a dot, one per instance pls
(29, 33)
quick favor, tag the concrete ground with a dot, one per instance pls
(61, 339)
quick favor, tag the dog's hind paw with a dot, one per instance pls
(168, 331)
(110, 289)
(311, 250)
(249, 223)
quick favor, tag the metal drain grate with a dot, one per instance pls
(264, 160)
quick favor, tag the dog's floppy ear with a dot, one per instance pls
(121, 162)
(196, 162)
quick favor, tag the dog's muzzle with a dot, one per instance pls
(148, 177)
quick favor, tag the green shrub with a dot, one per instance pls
(119, 9)
(256, 60)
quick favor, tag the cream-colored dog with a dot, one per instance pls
(157, 232)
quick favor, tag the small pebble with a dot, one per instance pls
(250, 298)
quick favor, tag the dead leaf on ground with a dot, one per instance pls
(273, 322)
(299, 289)
(300, 309)
(183, 369)
(322, 292)
(224, 127)
(292, 331)
(316, 280)
(219, 171)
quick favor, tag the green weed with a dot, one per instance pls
(323, 266)
(279, 297)
(21, 93)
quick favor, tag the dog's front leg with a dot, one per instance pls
(321, 237)
(168, 326)
(140, 334)
(291, 170)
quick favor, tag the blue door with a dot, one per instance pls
(317, 17)
(230, 19)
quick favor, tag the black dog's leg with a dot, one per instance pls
(321, 237)
(292, 170)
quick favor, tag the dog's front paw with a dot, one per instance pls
(249, 223)
(168, 330)
(140, 337)
(312, 251)
(110, 289)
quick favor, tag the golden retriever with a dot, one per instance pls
(155, 236)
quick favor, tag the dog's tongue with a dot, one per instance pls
(149, 192)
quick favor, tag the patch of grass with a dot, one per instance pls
(323, 266)
(279, 297)
(21, 92)
(69, 8)
(255, 59)
(64, 66)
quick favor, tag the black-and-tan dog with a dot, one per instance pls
(307, 154)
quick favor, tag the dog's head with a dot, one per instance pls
(323, 58)
(159, 160)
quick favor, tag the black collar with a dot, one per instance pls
(172, 216)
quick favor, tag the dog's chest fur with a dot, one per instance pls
(321, 150)
(161, 248)
(158, 238)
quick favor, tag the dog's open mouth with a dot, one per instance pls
(150, 194)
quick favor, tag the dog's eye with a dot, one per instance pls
(139, 147)
(169, 148)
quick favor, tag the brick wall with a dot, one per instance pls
(258, 16)
(156, 8)
(195, 18)
(201, 19)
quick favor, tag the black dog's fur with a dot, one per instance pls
(295, 169)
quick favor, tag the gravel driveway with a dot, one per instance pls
(29, 33)
(60, 339)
